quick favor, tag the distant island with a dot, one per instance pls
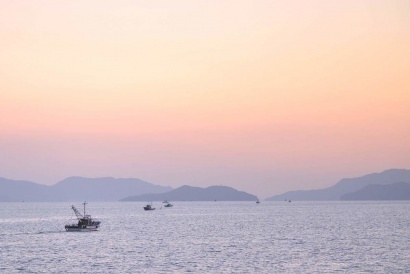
(190, 193)
(345, 186)
(395, 191)
(375, 186)
(103, 189)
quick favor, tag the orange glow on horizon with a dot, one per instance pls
(268, 87)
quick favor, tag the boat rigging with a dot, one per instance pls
(85, 222)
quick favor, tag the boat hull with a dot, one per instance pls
(70, 228)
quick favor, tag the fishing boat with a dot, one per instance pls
(168, 205)
(85, 222)
(149, 207)
(258, 202)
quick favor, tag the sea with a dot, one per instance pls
(208, 237)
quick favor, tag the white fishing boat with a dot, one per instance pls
(85, 222)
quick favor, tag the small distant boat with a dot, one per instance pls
(149, 207)
(258, 202)
(168, 205)
(85, 222)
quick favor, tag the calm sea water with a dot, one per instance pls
(208, 237)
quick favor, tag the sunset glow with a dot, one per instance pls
(264, 96)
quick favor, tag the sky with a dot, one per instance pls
(264, 96)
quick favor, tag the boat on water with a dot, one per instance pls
(258, 202)
(85, 222)
(149, 207)
(168, 205)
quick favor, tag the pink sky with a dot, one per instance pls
(263, 96)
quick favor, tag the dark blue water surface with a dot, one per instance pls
(208, 237)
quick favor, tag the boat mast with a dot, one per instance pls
(84, 207)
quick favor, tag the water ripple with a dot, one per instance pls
(209, 238)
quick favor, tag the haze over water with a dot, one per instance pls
(209, 237)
